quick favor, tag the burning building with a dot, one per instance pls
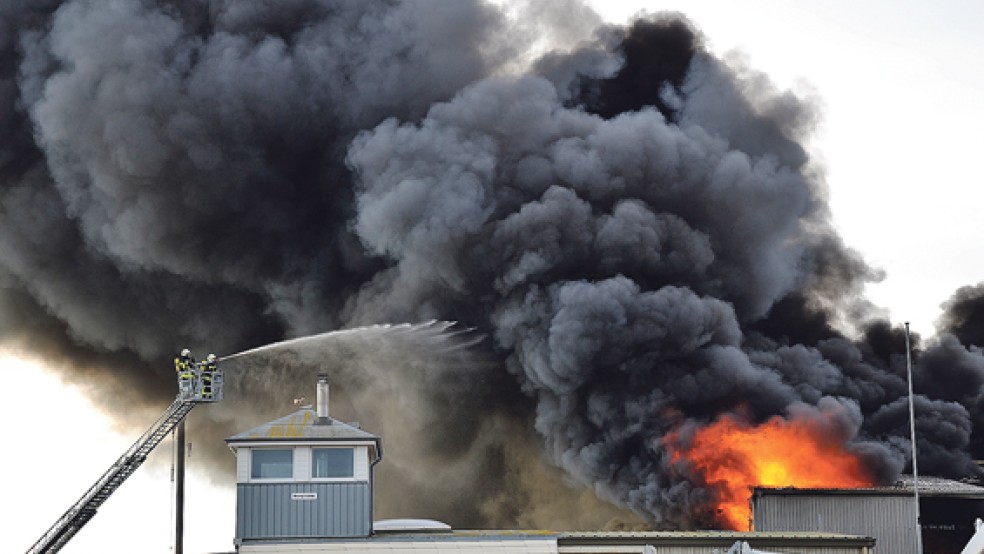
(635, 224)
(947, 511)
(305, 484)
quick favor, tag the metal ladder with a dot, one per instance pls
(82, 511)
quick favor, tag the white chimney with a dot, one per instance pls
(323, 398)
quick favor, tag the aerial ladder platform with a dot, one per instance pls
(203, 386)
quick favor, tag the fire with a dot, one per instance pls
(734, 456)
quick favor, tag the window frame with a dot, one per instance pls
(352, 474)
(253, 467)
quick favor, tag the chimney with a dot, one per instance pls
(323, 418)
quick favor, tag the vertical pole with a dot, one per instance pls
(912, 433)
(179, 485)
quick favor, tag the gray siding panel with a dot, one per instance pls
(890, 519)
(267, 511)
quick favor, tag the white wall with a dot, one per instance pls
(242, 465)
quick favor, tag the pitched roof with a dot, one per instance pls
(303, 425)
(938, 486)
(928, 486)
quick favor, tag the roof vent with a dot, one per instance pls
(410, 526)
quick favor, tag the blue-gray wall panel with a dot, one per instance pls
(267, 510)
(890, 519)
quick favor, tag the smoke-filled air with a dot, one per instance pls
(629, 231)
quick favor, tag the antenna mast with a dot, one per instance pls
(912, 433)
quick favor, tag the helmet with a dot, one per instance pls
(186, 352)
(210, 357)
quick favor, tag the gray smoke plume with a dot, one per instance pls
(634, 224)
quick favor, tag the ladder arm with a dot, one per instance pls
(82, 511)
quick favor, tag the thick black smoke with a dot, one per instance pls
(635, 224)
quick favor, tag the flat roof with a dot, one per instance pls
(613, 538)
(724, 538)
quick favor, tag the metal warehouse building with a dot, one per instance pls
(947, 508)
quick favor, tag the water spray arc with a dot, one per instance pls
(204, 383)
(433, 328)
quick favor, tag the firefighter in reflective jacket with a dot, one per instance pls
(208, 372)
(184, 365)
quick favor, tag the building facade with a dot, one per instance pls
(304, 476)
(947, 513)
(304, 484)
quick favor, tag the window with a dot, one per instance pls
(272, 464)
(332, 463)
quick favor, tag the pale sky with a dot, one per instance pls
(70, 445)
(900, 84)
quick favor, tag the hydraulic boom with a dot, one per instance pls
(204, 385)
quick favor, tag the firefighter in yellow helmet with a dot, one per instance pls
(208, 372)
(184, 365)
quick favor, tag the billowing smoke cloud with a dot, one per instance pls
(634, 224)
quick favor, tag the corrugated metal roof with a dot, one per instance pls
(714, 538)
(736, 535)
(304, 425)
(928, 486)
(939, 486)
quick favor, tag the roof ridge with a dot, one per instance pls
(303, 424)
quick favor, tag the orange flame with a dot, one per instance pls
(734, 456)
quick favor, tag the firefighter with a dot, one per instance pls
(184, 365)
(208, 372)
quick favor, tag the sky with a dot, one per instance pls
(901, 108)
(899, 140)
(52, 479)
